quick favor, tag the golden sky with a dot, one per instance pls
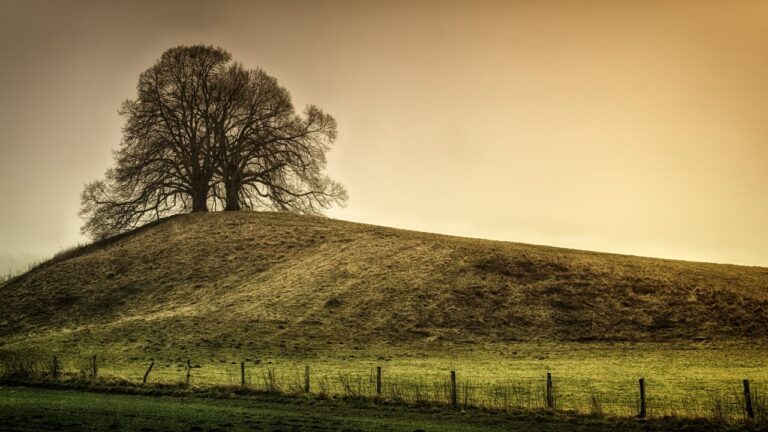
(637, 127)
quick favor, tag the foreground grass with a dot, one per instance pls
(28, 409)
(683, 379)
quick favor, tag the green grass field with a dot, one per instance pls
(28, 409)
(693, 380)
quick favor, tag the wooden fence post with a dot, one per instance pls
(550, 393)
(189, 370)
(454, 402)
(95, 370)
(306, 379)
(378, 380)
(55, 368)
(642, 413)
(146, 374)
(748, 401)
(242, 374)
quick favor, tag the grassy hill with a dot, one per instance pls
(285, 283)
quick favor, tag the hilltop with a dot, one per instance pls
(287, 283)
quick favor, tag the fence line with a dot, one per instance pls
(548, 391)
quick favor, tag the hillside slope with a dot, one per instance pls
(291, 283)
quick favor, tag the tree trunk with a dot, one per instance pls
(199, 195)
(233, 195)
(200, 202)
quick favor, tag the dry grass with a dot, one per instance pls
(291, 284)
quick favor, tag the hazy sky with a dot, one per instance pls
(637, 127)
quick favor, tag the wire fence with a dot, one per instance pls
(722, 400)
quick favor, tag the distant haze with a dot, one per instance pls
(13, 264)
(621, 126)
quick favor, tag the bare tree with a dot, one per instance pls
(164, 164)
(166, 142)
(204, 131)
(267, 155)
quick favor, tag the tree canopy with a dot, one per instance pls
(206, 133)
